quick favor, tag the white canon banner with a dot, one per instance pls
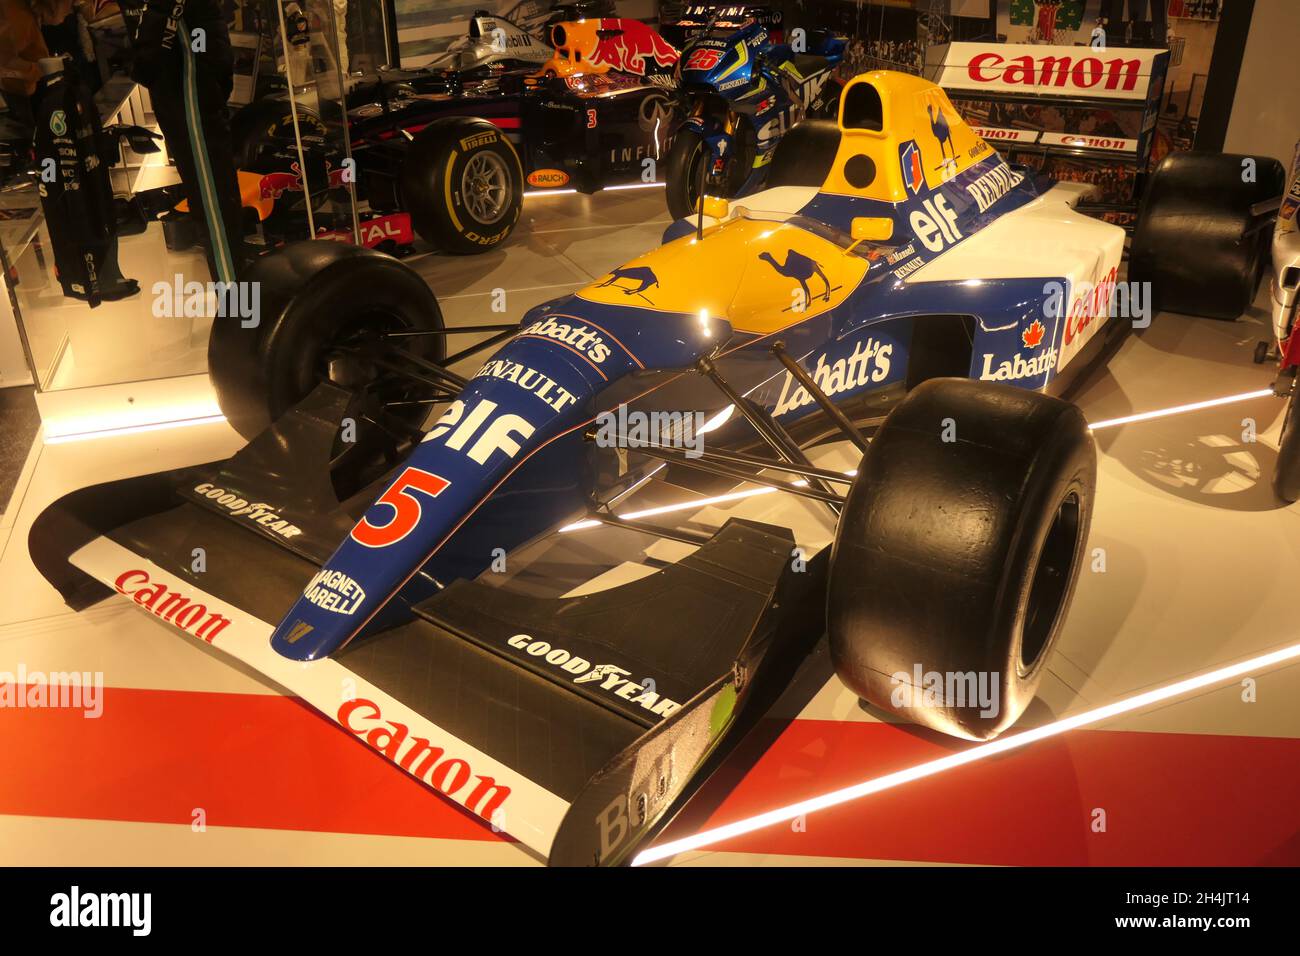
(998, 134)
(1074, 71)
(1115, 144)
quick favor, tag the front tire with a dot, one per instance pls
(683, 172)
(957, 553)
(322, 311)
(463, 184)
(1191, 239)
(687, 159)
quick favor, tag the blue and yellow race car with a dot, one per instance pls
(879, 339)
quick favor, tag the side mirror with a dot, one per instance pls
(872, 229)
(716, 207)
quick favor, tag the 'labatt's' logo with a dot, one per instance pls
(868, 364)
(578, 336)
(424, 759)
(1018, 367)
(171, 605)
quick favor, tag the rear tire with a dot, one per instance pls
(471, 163)
(960, 556)
(1286, 478)
(1190, 241)
(316, 297)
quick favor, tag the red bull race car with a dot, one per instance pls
(880, 339)
(447, 151)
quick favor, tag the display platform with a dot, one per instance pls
(1192, 565)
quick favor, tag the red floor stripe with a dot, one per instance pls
(248, 760)
(271, 762)
(1169, 799)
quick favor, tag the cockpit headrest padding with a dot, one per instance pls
(805, 154)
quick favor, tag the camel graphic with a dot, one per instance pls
(800, 267)
(643, 275)
(939, 126)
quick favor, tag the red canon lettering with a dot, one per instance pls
(1088, 306)
(124, 576)
(1085, 73)
(170, 605)
(421, 758)
(977, 64)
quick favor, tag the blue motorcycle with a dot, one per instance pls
(741, 92)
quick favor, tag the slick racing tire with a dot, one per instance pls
(323, 309)
(1286, 478)
(463, 184)
(1190, 242)
(957, 553)
(261, 138)
(257, 129)
(682, 175)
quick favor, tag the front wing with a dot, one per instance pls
(480, 695)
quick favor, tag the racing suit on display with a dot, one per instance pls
(189, 76)
(72, 157)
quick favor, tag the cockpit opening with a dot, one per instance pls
(862, 108)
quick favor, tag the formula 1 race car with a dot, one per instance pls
(880, 338)
(446, 151)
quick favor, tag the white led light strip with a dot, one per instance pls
(533, 193)
(132, 429)
(1180, 409)
(979, 752)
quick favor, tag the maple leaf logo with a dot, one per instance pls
(1033, 335)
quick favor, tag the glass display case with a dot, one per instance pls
(290, 142)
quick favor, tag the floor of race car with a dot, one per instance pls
(196, 762)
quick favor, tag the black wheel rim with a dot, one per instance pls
(386, 406)
(1051, 583)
